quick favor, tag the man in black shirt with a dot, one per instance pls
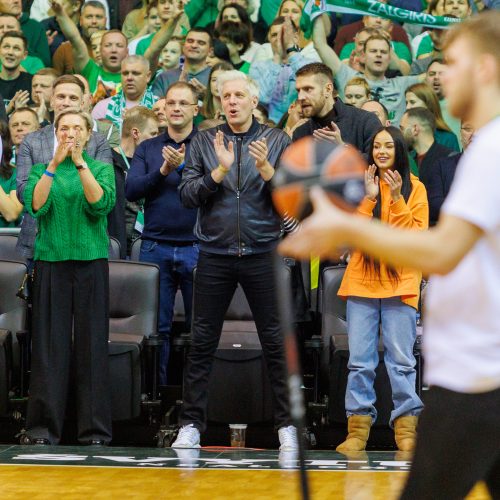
(329, 118)
(15, 85)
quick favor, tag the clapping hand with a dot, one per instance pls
(77, 149)
(198, 86)
(172, 158)
(329, 134)
(63, 149)
(371, 182)
(395, 182)
(224, 155)
(259, 151)
(20, 100)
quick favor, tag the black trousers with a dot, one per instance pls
(70, 323)
(458, 444)
(216, 279)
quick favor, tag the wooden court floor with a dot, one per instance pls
(90, 473)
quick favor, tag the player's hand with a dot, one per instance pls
(224, 155)
(321, 234)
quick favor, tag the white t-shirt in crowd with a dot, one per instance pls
(462, 328)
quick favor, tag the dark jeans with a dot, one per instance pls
(458, 444)
(70, 323)
(176, 270)
(216, 279)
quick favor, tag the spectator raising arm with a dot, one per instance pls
(327, 54)
(80, 52)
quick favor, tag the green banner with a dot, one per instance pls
(314, 8)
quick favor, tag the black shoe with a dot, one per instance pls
(96, 442)
(28, 441)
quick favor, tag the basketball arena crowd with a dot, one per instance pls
(163, 121)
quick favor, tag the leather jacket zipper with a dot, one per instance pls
(238, 187)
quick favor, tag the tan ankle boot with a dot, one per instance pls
(358, 427)
(405, 432)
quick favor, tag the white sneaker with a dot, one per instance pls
(188, 437)
(288, 438)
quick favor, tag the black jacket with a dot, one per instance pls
(439, 180)
(235, 217)
(357, 126)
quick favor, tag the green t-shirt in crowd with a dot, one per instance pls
(144, 44)
(101, 82)
(402, 51)
(425, 47)
(69, 227)
(8, 185)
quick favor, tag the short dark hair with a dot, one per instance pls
(68, 79)
(153, 4)
(423, 116)
(238, 33)
(183, 85)
(199, 29)
(15, 34)
(316, 69)
(95, 4)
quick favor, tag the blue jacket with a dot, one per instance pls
(165, 218)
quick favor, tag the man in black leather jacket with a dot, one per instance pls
(227, 177)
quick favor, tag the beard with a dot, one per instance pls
(460, 100)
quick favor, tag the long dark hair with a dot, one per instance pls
(402, 166)
(6, 168)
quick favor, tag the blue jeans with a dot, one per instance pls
(176, 270)
(398, 321)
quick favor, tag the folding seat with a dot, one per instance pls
(8, 242)
(133, 307)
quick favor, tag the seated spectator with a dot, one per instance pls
(15, 85)
(418, 126)
(170, 56)
(10, 208)
(237, 14)
(54, 34)
(31, 63)
(22, 122)
(440, 178)
(41, 92)
(212, 107)
(196, 48)
(356, 92)
(386, 25)
(377, 57)
(276, 78)
(379, 110)
(135, 75)
(152, 25)
(34, 32)
(420, 95)
(92, 19)
(348, 32)
(293, 10)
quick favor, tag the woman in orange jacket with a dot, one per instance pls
(381, 298)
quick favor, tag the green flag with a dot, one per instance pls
(314, 8)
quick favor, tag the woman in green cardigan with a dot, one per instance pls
(70, 197)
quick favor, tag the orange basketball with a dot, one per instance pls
(339, 170)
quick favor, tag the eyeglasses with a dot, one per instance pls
(181, 104)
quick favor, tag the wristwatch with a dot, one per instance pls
(82, 166)
(293, 48)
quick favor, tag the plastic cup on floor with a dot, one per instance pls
(237, 432)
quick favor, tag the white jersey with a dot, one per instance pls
(462, 328)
